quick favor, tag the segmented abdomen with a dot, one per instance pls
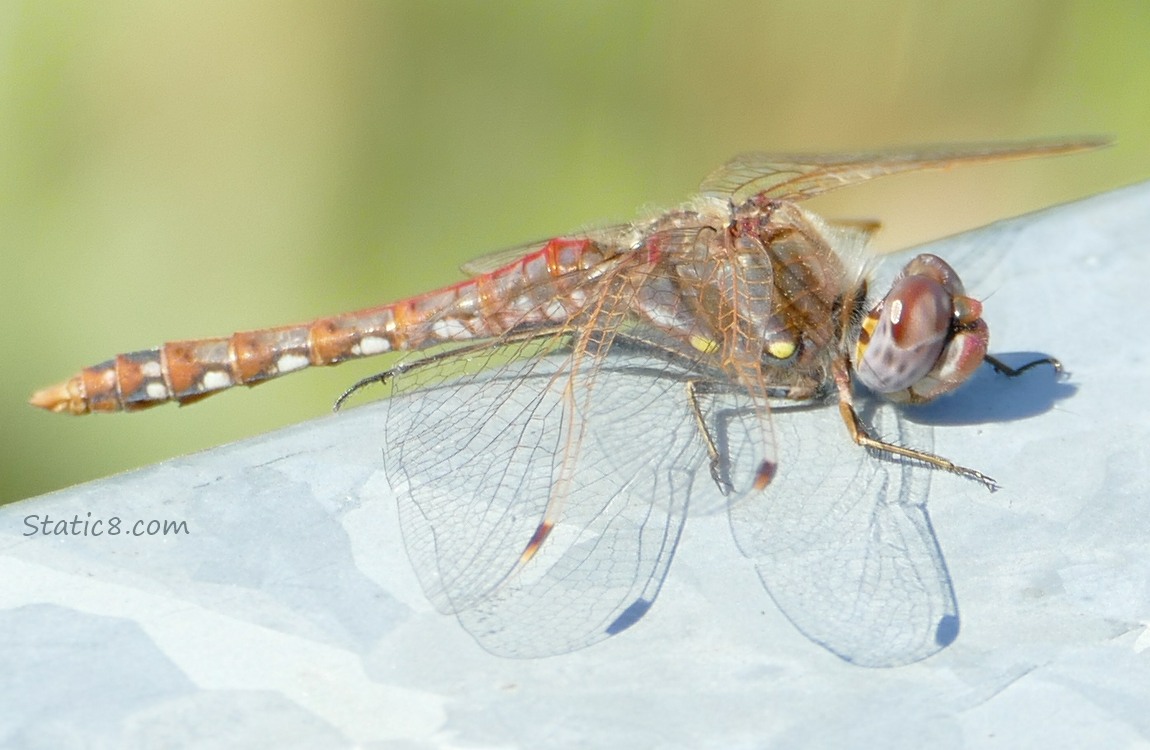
(537, 290)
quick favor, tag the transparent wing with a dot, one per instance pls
(610, 235)
(843, 543)
(479, 460)
(794, 177)
(495, 260)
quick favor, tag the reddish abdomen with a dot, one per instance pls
(527, 292)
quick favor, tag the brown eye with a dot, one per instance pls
(904, 335)
(920, 311)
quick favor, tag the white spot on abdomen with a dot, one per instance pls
(449, 329)
(292, 361)
(157, 391)
(370, 345)
(150, 369)
(213, 380)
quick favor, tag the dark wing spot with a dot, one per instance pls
(765, 473)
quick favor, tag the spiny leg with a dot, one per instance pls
(861, 436)
(767, 468)
(722, 482)
(1013, 372)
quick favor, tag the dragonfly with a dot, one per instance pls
(563, 408)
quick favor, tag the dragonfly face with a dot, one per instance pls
(924, 338)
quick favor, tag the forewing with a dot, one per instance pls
(610, 235)
(843, 543)
(495, 260)
(795, 177)
(606, 453)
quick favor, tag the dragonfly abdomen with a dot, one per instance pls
(527, 292)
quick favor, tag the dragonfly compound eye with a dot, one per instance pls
(903, 337)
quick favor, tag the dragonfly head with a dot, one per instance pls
(924, 338)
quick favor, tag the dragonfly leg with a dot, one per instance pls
(1013, 372)
(861, 435)
(721, 481)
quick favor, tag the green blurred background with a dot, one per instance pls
(179, 169)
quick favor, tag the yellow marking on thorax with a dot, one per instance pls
(869, 324)
(704, 344)
(782, 349)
